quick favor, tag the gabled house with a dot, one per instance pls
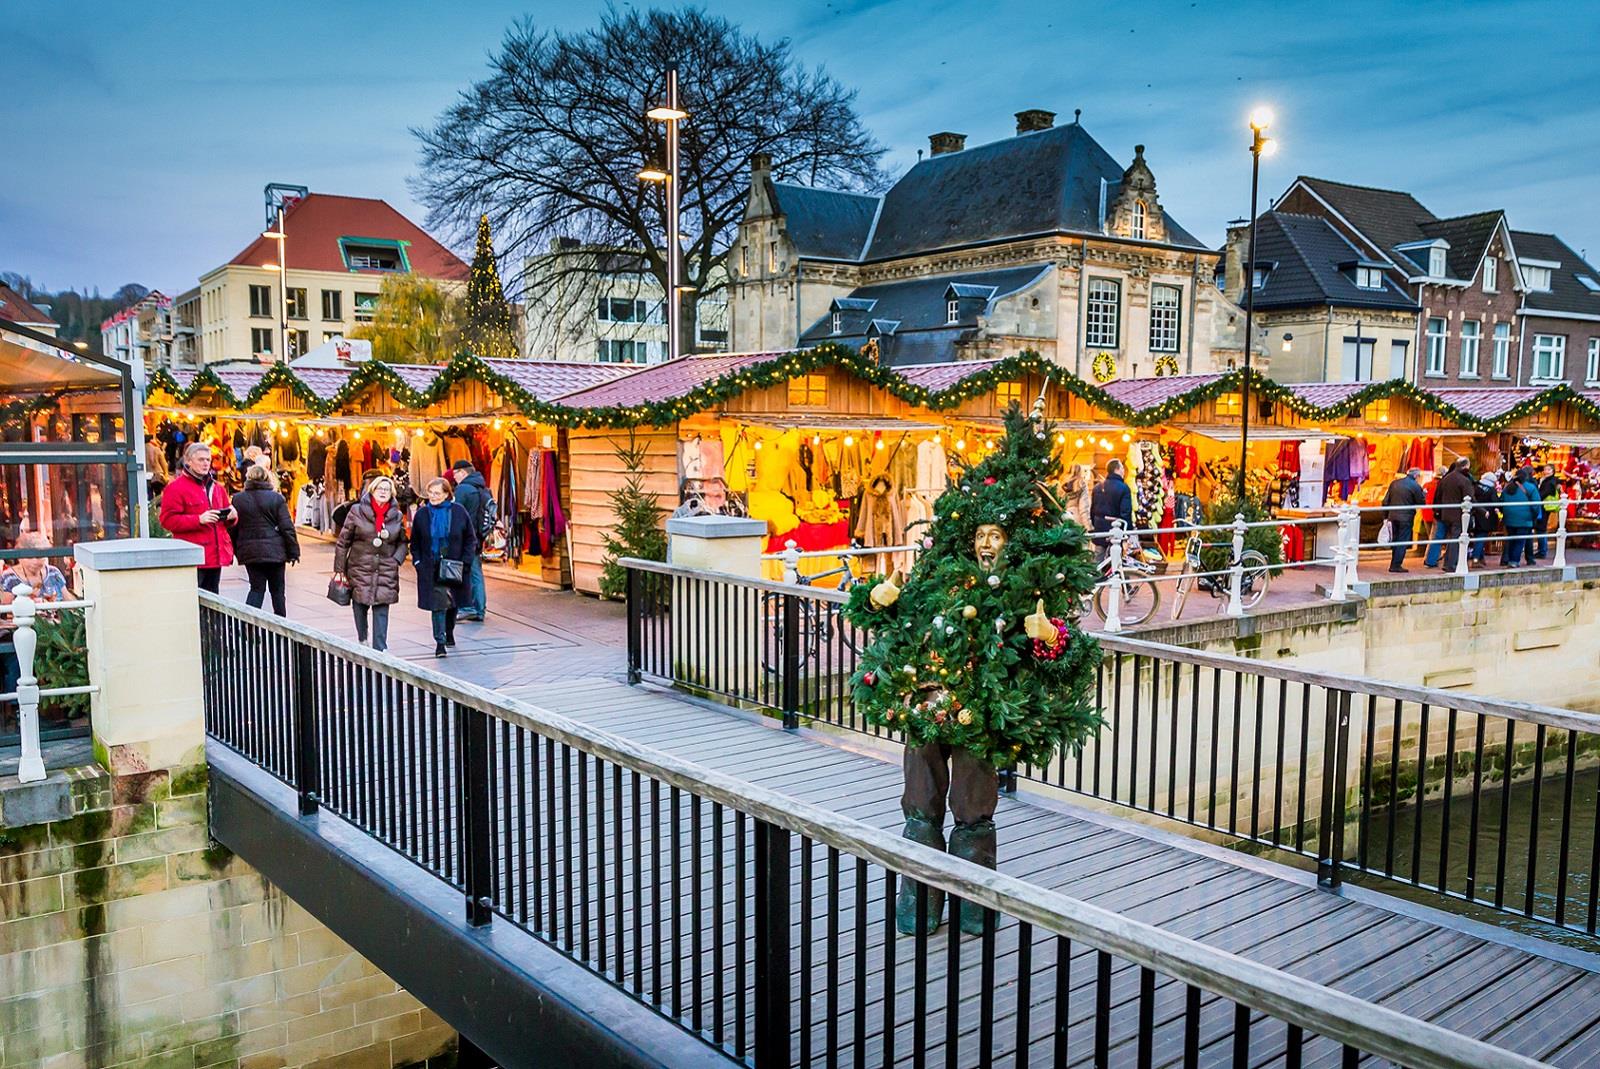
(1325, 310)
(16, 308)
(1560, 313)
(1039, 241)
(1460, 270)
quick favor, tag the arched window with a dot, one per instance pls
(1137, 229)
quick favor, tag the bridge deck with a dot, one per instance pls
(1449, 973)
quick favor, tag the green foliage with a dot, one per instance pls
(1264, 540)
(79, 315)
(62, 659)
(487, 329)
(936, 672)
(637, 531)
(416, 322)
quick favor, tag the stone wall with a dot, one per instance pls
(128, 940)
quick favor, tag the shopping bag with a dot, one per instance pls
(1386, 533)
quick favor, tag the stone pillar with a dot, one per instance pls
(730, 544)
(143, 637)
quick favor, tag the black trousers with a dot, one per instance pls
(265, 578)
(210, 579)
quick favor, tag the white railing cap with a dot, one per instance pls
(716, 526)
(128, 554)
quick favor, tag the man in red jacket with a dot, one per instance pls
(194, 507)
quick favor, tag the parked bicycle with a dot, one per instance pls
(819, 620)
(1255, 574)
(1141, 595)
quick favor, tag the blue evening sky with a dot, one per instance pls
(139, 136)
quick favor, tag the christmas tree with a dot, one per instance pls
(637, 532)
(487, 331)
(979, 649)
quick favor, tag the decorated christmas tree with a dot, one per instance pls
(487, 331)
(979, 649)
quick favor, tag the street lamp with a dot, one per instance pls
(278, 234)
(670, 114)
(1260, 145)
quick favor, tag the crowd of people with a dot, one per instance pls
(374, 535)
(1517, 510)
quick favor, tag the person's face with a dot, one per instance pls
(988, 544)
(198, 462)
(437, 495)
(382, 492)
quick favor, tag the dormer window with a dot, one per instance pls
(1259, 278)
(1137, 229)
(1537, 274)
(838, 322)
(1369, 278)
(952, 311)
(1436, 262)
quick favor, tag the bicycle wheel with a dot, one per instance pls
(1253, 581)
(1140, 599)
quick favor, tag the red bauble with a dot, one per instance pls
(1049, 653)
(988, 480)
(870, 679)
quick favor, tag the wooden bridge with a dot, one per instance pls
(735, 876)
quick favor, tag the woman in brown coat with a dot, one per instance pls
(367, 556)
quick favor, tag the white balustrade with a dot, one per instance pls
(24, 612)
(1113, 620)
(1236, 569)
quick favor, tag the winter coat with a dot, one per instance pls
(1112, 500)
(264, 533)
(460, 544)
(1521, 505)
(373, 571)
(182, 502)
(1456, 487)
(472, 494)
(1405, 496)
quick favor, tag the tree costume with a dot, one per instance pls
(976, 659)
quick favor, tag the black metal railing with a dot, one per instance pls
(763, 925)
(1477, 799)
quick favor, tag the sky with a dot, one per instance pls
(140, 136)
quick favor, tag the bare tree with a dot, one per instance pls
(550, 144)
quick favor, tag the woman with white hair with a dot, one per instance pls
(195, 507)
(367, 556)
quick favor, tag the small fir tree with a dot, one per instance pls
(487, 331)
(637, 532)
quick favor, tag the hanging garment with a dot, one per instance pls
(933, 468)
(1150, 496)
(554, 522)
(691, 459)
(341, 464)
(1312, 486)
(882, 519)
(316, 456)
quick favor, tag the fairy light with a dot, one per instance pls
(878, 445)
(849, 440)
(1126, 437)
(961, 444)
(358, 436)
(758, 445)
(1105, 445)
(1078, 444)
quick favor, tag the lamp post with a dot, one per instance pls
(278, 234)
(670, 114)
(1260, 145)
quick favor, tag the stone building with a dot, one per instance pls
(1040, 241)
(1460, 270)
(1560, 313)
(1323, 310)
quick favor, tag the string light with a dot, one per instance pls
(1126, 437)
(1078, 444)
(961, 444)
(849, 440)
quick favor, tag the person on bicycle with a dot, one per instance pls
(1112, 500)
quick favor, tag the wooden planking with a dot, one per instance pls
(594, 470)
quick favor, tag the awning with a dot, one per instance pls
(1576, 439)
(28, 366)
(861, 424)
(1260, 434)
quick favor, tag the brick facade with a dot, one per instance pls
(1579, 334)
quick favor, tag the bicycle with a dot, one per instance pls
(1140, 594)
(1255, 574)
(819, 619)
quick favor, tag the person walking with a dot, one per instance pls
(1112, 500)
(264, 540)
(1454, 488)
(195, 508)
(472, 494)
(1521, 506)
(367, 556)
(1550, 502)
(1404, 496)
(1433, 523)
(442, 539)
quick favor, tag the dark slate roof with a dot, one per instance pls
(1307, 253)
(1468, 236)
(1566, 294)
(825, 223)
(1041, 182)
(1388, 217)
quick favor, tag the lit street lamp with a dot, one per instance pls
(670, 114)
(282, 267)
(1260, 145)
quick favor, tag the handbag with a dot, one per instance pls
(339, 593)
(1386, 533)
(447, 572)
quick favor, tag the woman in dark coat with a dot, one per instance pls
(263, 538)
(367, 556)
(440, 530)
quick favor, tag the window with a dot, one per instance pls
(1007, 392)
(261, 341)
(1357, 365)
(261, 300)
(1229, 404)
(1137, 229)
(332, 304)
(952, 311)
(1536, 278)
(836, 325)
(1258, 277)
(329, 335)
(1436, 340)
(1471, 333)
(1397, 359)
(1369, 278)
(1549, 357)
(623, 310)
(809, 390)
(1502, 351)
(619, 351)
(1436, 262)
(1491, 275)
(744, 261)
(1105, 300)
(1377, 411)
(295, 301)
(365, 304)
(1588, 283)
(772, 256)
(372, 257)
(1165, 303)
(1591, 372)
(299, 343)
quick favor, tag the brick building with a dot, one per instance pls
(1560, 313)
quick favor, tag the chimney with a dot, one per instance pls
(1234, 254)
(941, 143)
(760, 162)
(1035, 119)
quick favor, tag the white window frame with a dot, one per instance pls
(1491, 275)
(258, 333)
(1436, 263)
(1137, 228)
(1102, 314)
(1369, 278)
(1166, 317)
(260, 301)
(1502, 351)
(952, 311)
(1437, 342)
(836, 324)
(1552, 349)
(1537, 277)
(1471, 344)
(1591, 374)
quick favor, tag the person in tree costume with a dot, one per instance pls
(976, 659)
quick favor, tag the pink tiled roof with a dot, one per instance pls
(550, 379)
(1140, 394)
(417, 376)
(1486, 403)
(241, 380)
(936, 377)
(662, 382)
(1323, 394)
(325, 382)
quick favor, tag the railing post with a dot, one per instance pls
(1236, 569)
(1341, 582)
(1351, 522)
(1330, 821)
(477, 812)
(773, 968)
(1113, 620)
(791, 562)
(307, 759)
(635, 625)
(1560, 560)
(789, 685)
(26, 641)
(1464, 539)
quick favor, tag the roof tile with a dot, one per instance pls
(315, 223)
